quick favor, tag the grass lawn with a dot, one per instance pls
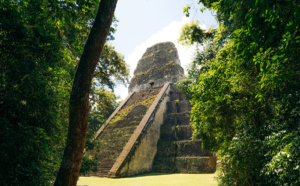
(153, 180)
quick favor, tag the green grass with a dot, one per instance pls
(152, 180)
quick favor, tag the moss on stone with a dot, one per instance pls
(161, 71)
(159, 64)
(122, 114)
(114, 137)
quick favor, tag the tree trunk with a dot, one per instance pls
(79, 98)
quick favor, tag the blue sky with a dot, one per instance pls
(142, 23)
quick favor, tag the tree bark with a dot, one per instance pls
(79, 98)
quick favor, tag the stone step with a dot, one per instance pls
(178, 106)
(184, 106)
(175, 119)
(176, 94)
(183, 118)
(195, 164)
(180, 132)
(104, 167)
(164, 165)
(184, 165)
(168, 132)
(117, 132)
(106, 163)
(170, 120)
(166, 148)
(190, 148)
(101, 171)
(184, 132)
(172, 107)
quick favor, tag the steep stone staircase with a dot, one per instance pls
(176, 152)
(119, 130)
(113, 139)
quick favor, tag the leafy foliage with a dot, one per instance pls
(111, 68)
(87, 165)
(103, 103)
(33, 110)
(191, 33)
(41, 42)
(245, 92)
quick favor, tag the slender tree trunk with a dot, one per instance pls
(79, 98)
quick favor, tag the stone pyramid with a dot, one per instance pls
(150, 131)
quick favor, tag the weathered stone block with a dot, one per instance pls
(195, 164)
(176, 95)
(165, 148)
(167, 132)
(184, 132)
(164, 165)
(172, 107)
(184, 106)
(183, 118)
(190, 148)
(170, 120)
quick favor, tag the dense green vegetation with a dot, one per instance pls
(41, 42)
(244, 90)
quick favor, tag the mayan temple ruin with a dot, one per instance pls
(150, 130)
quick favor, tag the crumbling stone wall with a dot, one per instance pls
(159, 65)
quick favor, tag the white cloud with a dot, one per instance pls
(168, 33)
